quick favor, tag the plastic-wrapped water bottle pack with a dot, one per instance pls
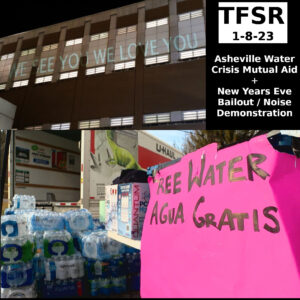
(17, 275)
(51, 255)
(17, 249)
(98, 245)
(58, 243)
(24, 202)
(43, 220)
(68, 288)
(116, 275)
(79, 220)
(13, 226)
(20, 292)
(78, 237)
(64, 267)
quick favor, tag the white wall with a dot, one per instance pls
(61, 184)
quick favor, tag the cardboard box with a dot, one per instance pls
(133, 199)
(111, 200)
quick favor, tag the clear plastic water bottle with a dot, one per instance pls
(106, 268)
(32, 202)
(136, 261)
(16, 201)
(39, 266)
(47, 269)
(73, 267)
(79, 260)
(38, 238)
(62, 267)
(98, 268)
(119, 284)
(114, 266)
(105, 286)
(129, 263)
(122, 265)
(93, 268)
(50, 269)
(48, 289)
(94, 287)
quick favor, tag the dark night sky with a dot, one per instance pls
(20, 16)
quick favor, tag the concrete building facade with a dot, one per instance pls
(139, 66)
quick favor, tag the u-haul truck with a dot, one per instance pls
(69, 169)
(105, 154)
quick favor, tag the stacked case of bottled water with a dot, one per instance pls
(17, 251)
(133, 269)
(55, 255)
(40, 223)
(111, 267)
(61, 268)
(64, 264)
(104, 266)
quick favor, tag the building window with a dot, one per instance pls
(71, 57)
(194, 115)
(47, 60)
(123, 66)
(2, 87)
(100, 36)
(5, 67)
(43, 79)
(97, 52)
(126, 121)
(93, 71)
(25, 64)
(175, 117)
(157, 41)
(157, 118)
(40, 127)
(125, 51)
(89, 124)
(192, 53)
(74, 42)
(191, 15)
(20, 83)
(50, 47)
(157, 23)
(157, 60)
(63, 126)
(68, 75)
(28, 52)
(7, 56)
(192, 39)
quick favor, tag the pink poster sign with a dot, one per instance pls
(224, 224)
